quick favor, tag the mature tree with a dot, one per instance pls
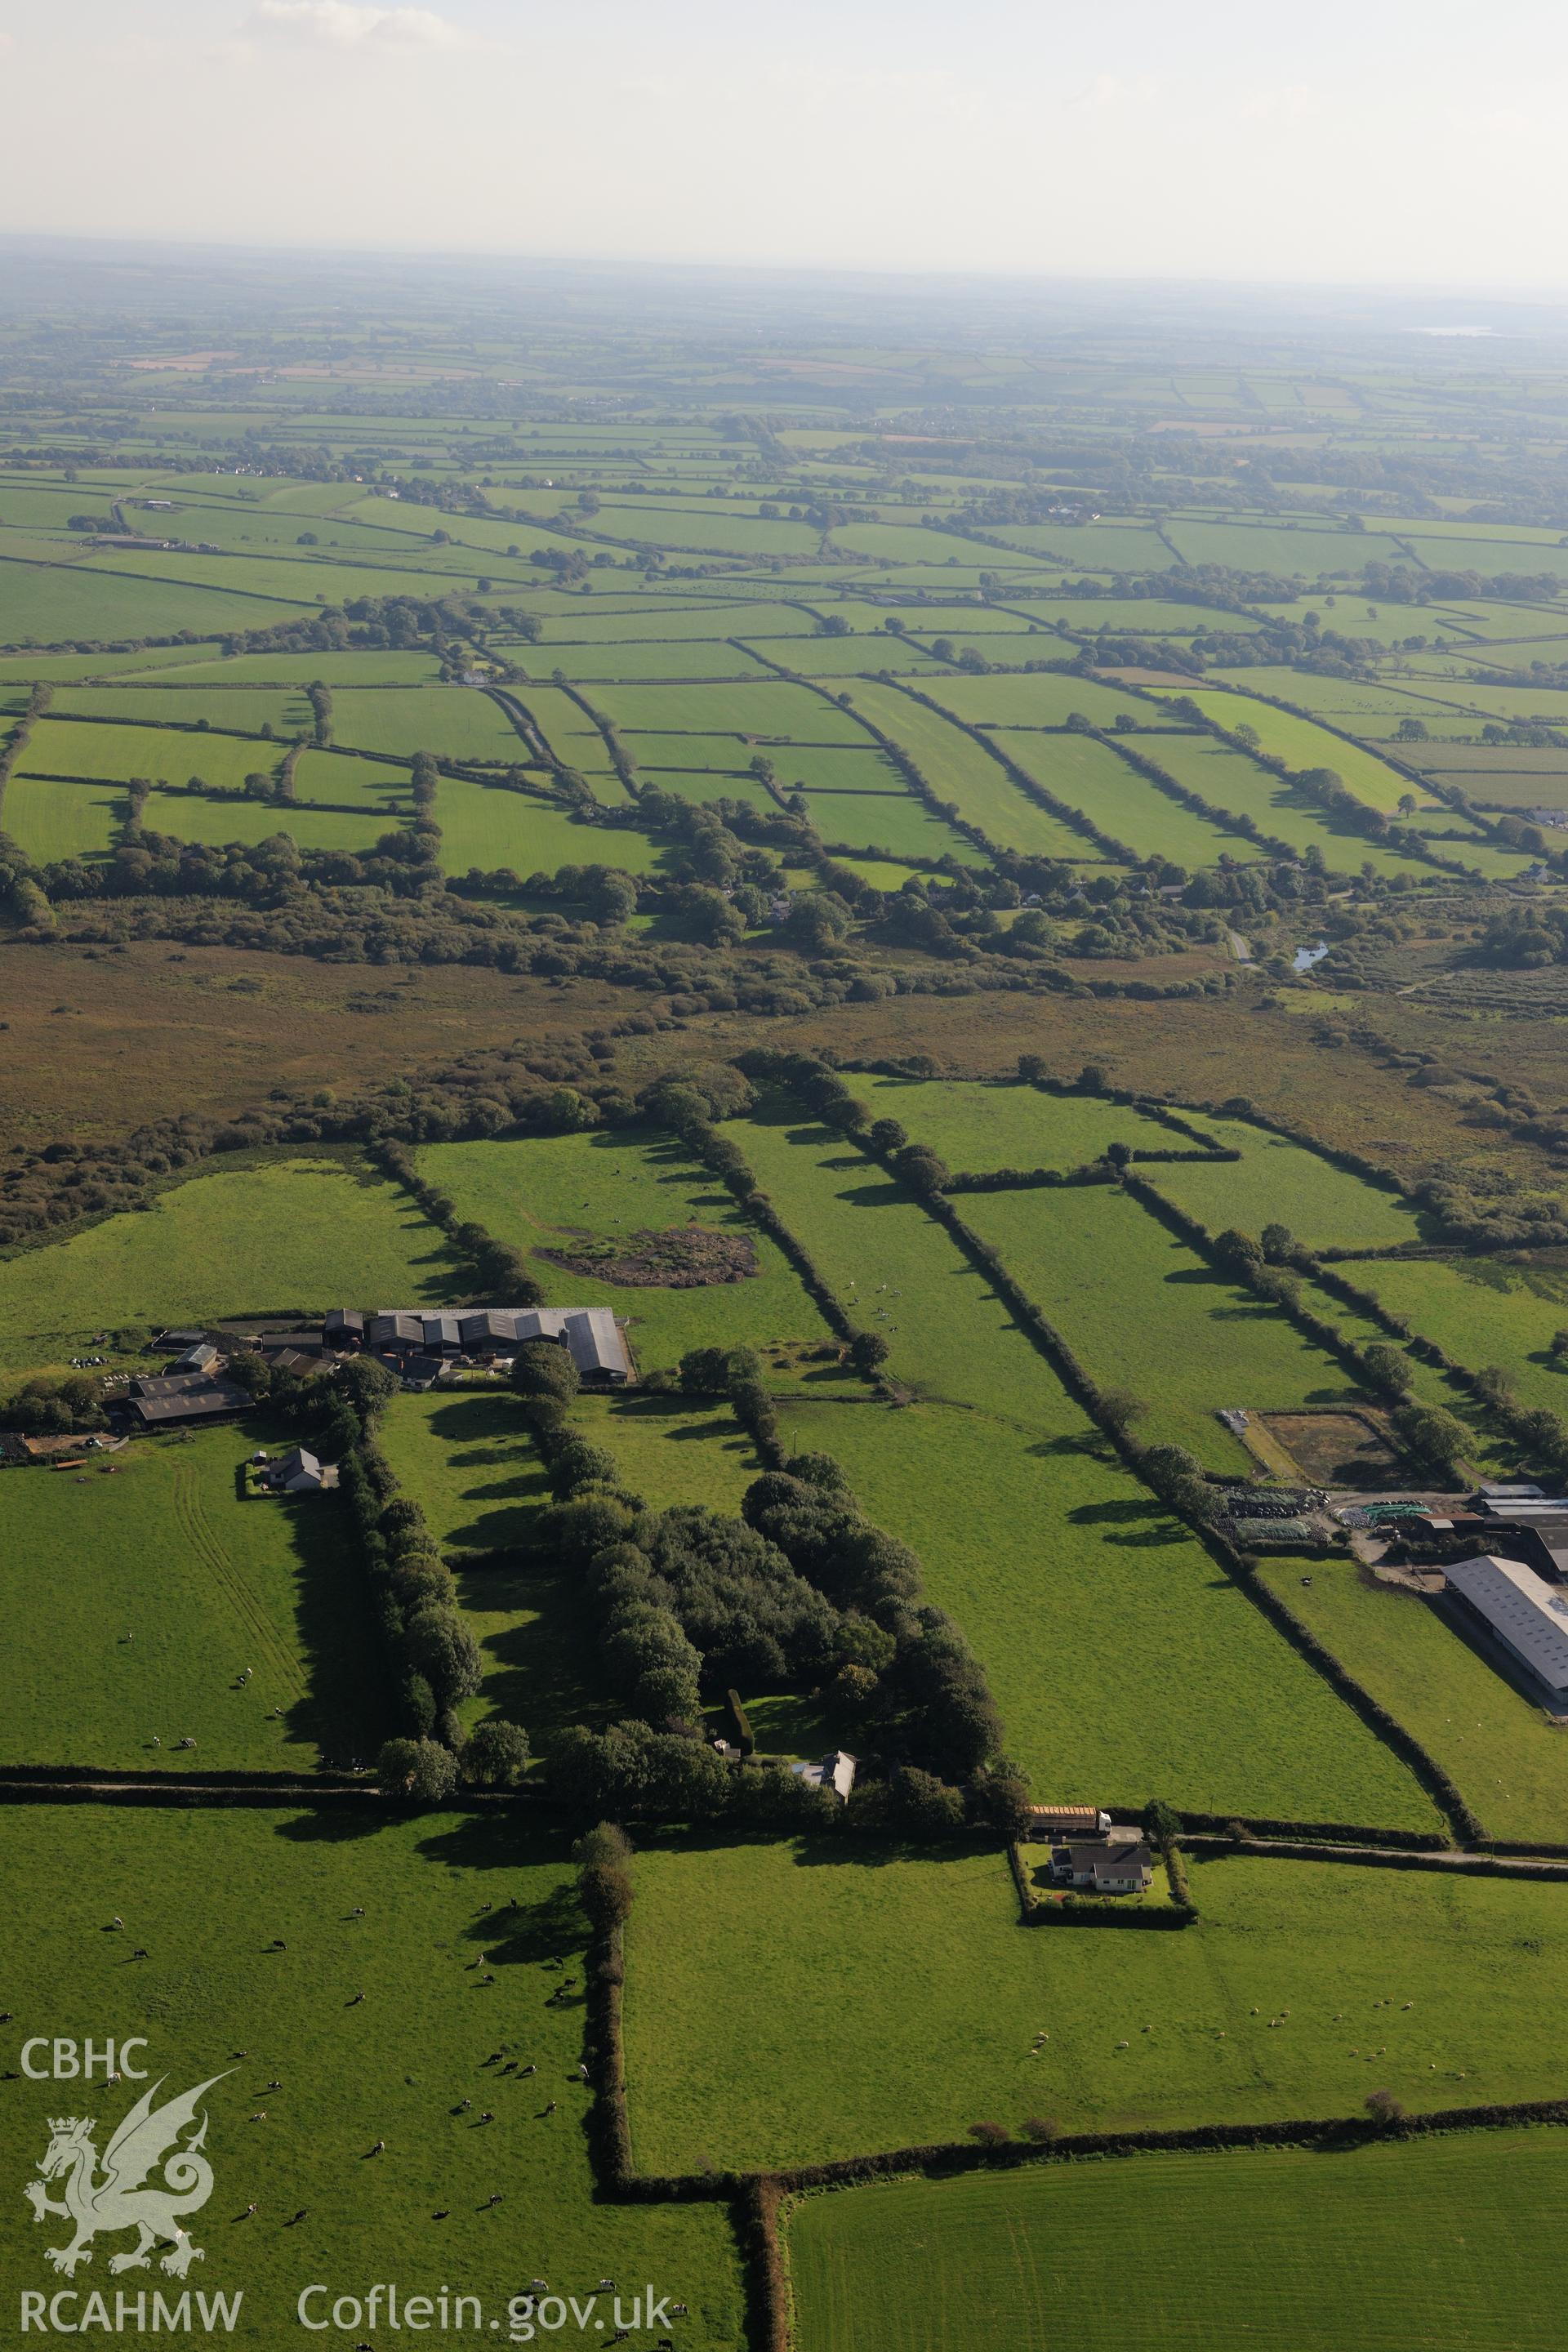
(1120, 1408)
(604, 1879)
(419, 1770)
(441, 1647)
(494, 1755)
(1388, 1366)
(543, 1367)
(925, 1807)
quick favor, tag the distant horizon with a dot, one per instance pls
(1392, 146)
(987, 281)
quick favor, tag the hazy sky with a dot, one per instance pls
(1359, 139)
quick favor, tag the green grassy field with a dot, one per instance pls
(671, 1450)
(140, 1588)
(763, 707)
(1042, 698)
(1430, 2251)
(488, 826)
(623, 662)
(67, 668)
(67, 603)
(1483, 1312)
(452, 722)
(1276, 1182)
(256, 1954)
(1301, 743)
(1078, 1593)
(886, 821)
(833, 658)
(1506, 1760)
(1229, 779)
(188, 817)
(285, 711)
(186, 666)
(669, 620)
(52, 821)
(294, 1232)
(1287, 550)
(1089, 776)
(977, 1128)
(336, 778)
(67, 747)
(878, 1999)
(1141, 1312)
(542, 1192)
(959, 770)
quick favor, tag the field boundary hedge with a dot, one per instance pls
(945, 2157)
(1066, 812)
(1459, 804)
(1457, 1864)
(1081, 1385)
(921, 786)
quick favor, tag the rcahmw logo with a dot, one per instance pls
(153, 2176)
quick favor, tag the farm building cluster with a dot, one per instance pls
(196, 1385)
(421, 1348)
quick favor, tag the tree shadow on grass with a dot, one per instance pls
(517, 1934)
(870, 1853)
(1155, 1539)
(342, 1712)
(1077, 1443)
(1132, 1524)
(1094, 1515)
(539, 1671)
(346, 1824)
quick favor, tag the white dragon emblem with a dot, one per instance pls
(119, 2200)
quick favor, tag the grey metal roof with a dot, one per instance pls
(1525, 1612)
(203, 1402)
(488, 1325)
(595, 1339)
(592, 1335)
